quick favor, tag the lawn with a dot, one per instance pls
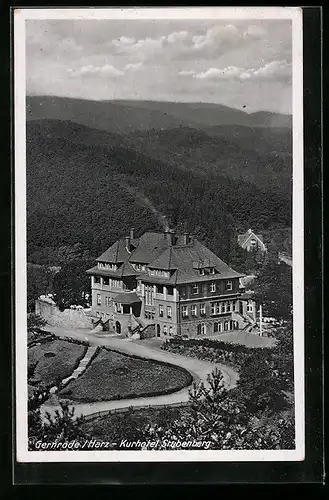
(113, 375)
(54, 359)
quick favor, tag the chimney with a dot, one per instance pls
(170, 236)
(127, 238)
(132, 233)
(186, 238)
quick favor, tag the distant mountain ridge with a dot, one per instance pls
(122, 116)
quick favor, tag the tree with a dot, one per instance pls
(35, 322)
(237, 258)
(62, 426)
(72, 284)
(259, 387)
(39, 282)
(222, 421)
(273, 289)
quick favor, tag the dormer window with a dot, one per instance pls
(202, 272)
(108, 266)
(195, 288)
(159, 273)
(213, 287)
(229, 285)
(212, 270)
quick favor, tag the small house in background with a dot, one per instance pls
(251, 241)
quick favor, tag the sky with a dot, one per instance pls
(245, 64)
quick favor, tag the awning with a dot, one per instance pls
(127, 298)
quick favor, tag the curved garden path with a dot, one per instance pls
(198, 368)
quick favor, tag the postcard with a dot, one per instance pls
(159, 287)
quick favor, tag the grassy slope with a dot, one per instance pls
(112, 376)
(48, 369)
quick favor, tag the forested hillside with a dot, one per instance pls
(89, 189)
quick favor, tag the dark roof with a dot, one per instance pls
(118, 252)
(125, 269)
(150, 246)
(166, 260)
(154, 249)
(127, 298)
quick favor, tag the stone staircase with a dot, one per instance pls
(91, 351)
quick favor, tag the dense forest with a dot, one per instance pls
(90, 192)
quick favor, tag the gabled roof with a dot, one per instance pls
(117, 253)
(166, 260)
(186, 256)
(243, 238)
(125, 269)
(157, 252)
(150, 246)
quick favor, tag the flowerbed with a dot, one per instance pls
(52, 360)
(113, 375)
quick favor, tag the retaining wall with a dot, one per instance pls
(69, 318)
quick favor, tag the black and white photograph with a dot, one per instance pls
(159, 234)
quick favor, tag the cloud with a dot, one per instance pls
(105, 71)
(133, 66)
(219, 74)
(278, 70)
(254, 32)
(142, 48)
(275, 70)
(178, 36)
(186, 72)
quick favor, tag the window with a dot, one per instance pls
(170, 331)
(229, 285)
(198, 329)
(159, 288)
(161, 311)
(105, 281)
(213, 287)
(149, 295)
(217, 327)
(193, 311)
(169, 312)
(202, 309)
(195, 288)
(212, 270)
(250, 306)
(165, 330)
(170, 290)
(202, 272)
(223, 307)
(99, 299)
(97, 279)
(229, 307)
(185, 311)
(149, 315)
(226, 326)
(203, 329)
